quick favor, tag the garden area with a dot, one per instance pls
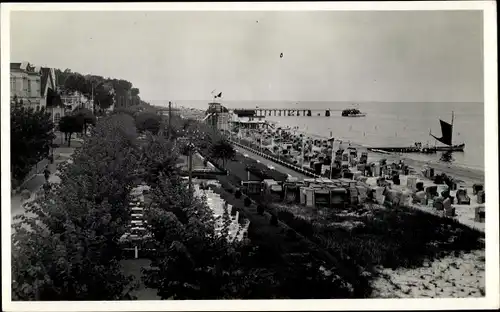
(380, 236)
(282, 251)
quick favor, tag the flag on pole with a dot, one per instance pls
(219, 95)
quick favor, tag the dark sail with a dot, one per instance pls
(447, 131)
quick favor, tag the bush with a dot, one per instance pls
(260, 209)
(291, 235)
(237, 194)
(148, 121)
(274, 220)
(247, 202)
(31, 134)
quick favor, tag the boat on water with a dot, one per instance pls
(446, 138)
(451, 148)
(352, 112)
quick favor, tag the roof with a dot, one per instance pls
(216, 107)
(45, 73)
(15, 66)
(244, 112)
(53, 99)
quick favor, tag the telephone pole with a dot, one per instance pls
(169, 117)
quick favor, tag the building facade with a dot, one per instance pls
(217, 116)
(30, 85)
(25, 84)
(75, 100)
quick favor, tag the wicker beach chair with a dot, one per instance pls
(476, 188)
(462, 197)
(438, 203)
(480, 197)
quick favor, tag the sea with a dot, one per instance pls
(385, 124)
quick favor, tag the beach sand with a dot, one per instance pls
(448, 277)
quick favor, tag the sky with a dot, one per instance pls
(398, 56)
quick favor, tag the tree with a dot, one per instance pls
(159, 159)
(222, 149)
(132, 110)
(86, 116)
(147, 121)
(134, 91)
(193, 261)
(31, 137)
(71, 124)
(66, 247)
(76, 82)
(104, 95)
(61, 76)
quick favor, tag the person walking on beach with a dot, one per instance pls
(46, 173)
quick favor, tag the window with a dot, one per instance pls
(13, 85)
(57, 118)
(29, 87)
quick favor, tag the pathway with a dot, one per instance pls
(262, 160)
(33, 185)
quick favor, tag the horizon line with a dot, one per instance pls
(323, 101)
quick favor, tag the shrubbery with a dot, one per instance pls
(247, 202)
(274, 220)
(237, 194)
(148, 121)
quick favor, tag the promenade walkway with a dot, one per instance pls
(33, 185)
(236, 166)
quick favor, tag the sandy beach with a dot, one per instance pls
(469, 176)
(449, 277)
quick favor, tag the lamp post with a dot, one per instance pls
(191, 148)
(190, 166)
(332, 160)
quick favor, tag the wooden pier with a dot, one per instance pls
(291, 112)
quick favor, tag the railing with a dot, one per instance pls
(276, 160)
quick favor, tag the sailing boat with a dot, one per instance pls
(446, 137)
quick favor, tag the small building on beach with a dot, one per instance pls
(247, 119)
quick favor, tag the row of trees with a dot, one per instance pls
(66, 246)
(105, 90)
(77, 122)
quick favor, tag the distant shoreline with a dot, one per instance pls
(467, 174)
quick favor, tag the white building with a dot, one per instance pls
(30, 85)
(75, 100)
